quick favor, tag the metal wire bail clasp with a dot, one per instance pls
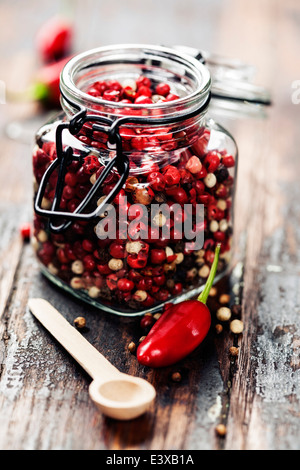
(59, 221)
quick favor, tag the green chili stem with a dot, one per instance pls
(204, 294)
(36, 92)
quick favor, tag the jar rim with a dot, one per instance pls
(79, 98)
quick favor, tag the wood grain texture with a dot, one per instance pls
(44, 402)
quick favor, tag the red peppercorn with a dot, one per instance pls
(112, 281)
(171, 97)
(117, 250)
(25, 231)
(212, 161)
(68, 192)
(81, 191)
(71, 179)
(209, 256)
(144, 91)
(62, 256)
(212, 211)
(89, 263)
(179, 195)
(200, 187)
(157, 181)
(129, 95)
(202, 173)
(228, 161)
(69, 252)
(111, 95)
(144, 284)
(146, 322)
(159, 280)
(219, 236)
(88, 245)
(114, 85)
(185, 176)
(91, 165)
(221, 191)
(125, 285)
(142, 99)
(104, 269)
(148, 302)
(94, 92)
(137, 261)
(177, 289)
(172, 175)
(162, 295)
(143, 81)
(101, 86)
(47, 252)
(119, 198)
(162, 89)
(157, 256)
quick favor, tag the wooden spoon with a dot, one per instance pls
(117, 395)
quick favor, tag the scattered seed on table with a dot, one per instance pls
(132, 347)
(223, 314)
(219, 328)
(213, 292)
(233, 351)
(224, 299)
(80, 322)
(236, 326)
(176, 377)
(221, 430)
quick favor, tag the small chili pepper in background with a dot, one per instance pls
(46, 86)
(54, 39)
(180, 329)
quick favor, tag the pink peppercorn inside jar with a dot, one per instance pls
(134, 184)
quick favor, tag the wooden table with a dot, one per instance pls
(44, 402)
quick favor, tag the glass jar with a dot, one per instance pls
(133, 184)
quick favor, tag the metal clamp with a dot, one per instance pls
(64, 157)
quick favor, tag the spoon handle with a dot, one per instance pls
(92, 361)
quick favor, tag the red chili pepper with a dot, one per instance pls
(180, 329)
(54, 39)
(46, 87)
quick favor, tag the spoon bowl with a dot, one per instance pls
(122, 397)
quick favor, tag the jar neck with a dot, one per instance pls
(188, 78)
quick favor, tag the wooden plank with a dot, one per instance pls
(264, 399)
